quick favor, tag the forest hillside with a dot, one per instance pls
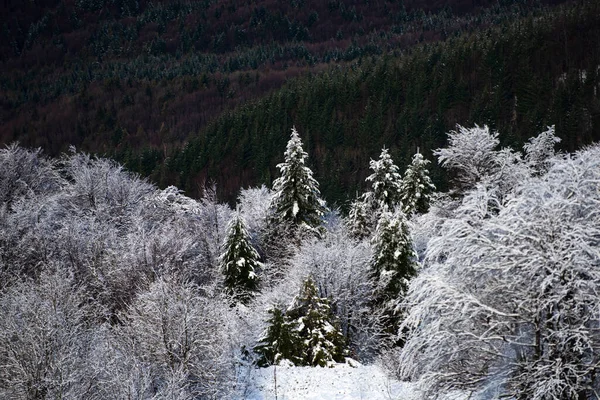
(191, 92)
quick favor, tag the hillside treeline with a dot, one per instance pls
(125, 75)
(517, 78)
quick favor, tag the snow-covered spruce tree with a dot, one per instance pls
(323, 343)
(239, 261)
(393, 264)
(296, 197)
(279, 342)
(384, 195)
(507, 304)
(360, 219)
(386, 182)
(416, 187)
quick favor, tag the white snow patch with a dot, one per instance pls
(343, 382)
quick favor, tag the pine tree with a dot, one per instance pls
(385, 183)
(360, 219)
(384, 196)
(280, 341)
(239, 261)
(393, 264)
(323, 343)
(296, 196)
(416, 187)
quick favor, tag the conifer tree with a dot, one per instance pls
(360, 219)
(385, 183)
(393, 264)
(296, 196)
(384, 196)
(416, 187)
(323, 343)
(280, 341)
(239, 261)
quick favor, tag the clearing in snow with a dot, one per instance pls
(343, 382)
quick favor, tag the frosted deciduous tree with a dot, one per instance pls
(296, 196)
(508, 304)
(416, 187)
(254, 207)
(239, 261)
(470, 153)
(44, 339)
(24, 173)
(539, 150)
(472, 157)
(174, 341)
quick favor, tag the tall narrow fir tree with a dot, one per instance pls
(297, 198)
(239, 261)
(416, 187)
(393, 264)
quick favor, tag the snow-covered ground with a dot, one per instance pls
(343, 382)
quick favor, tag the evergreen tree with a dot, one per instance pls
(416, 187)
(307, 334)
(280, 341)
(239, 261)
(393, 264)
(323, 343)
(360, 219)
(385, 183)
(384, 196)
(296, 196)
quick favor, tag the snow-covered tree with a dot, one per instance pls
(279, 342)
(386, 182)
(173, 340)
(254, 207)
(44, 338)
(393, 264)
(339, 267)
(508, 303)
(24, 173)
(323, 343)
(296, 197)
(384, 196)
(416, 188)
(239, 261)
(540, 149)
(307, 333)
(361, 218)
(470, 153)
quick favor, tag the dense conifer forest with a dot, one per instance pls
(191, 92)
